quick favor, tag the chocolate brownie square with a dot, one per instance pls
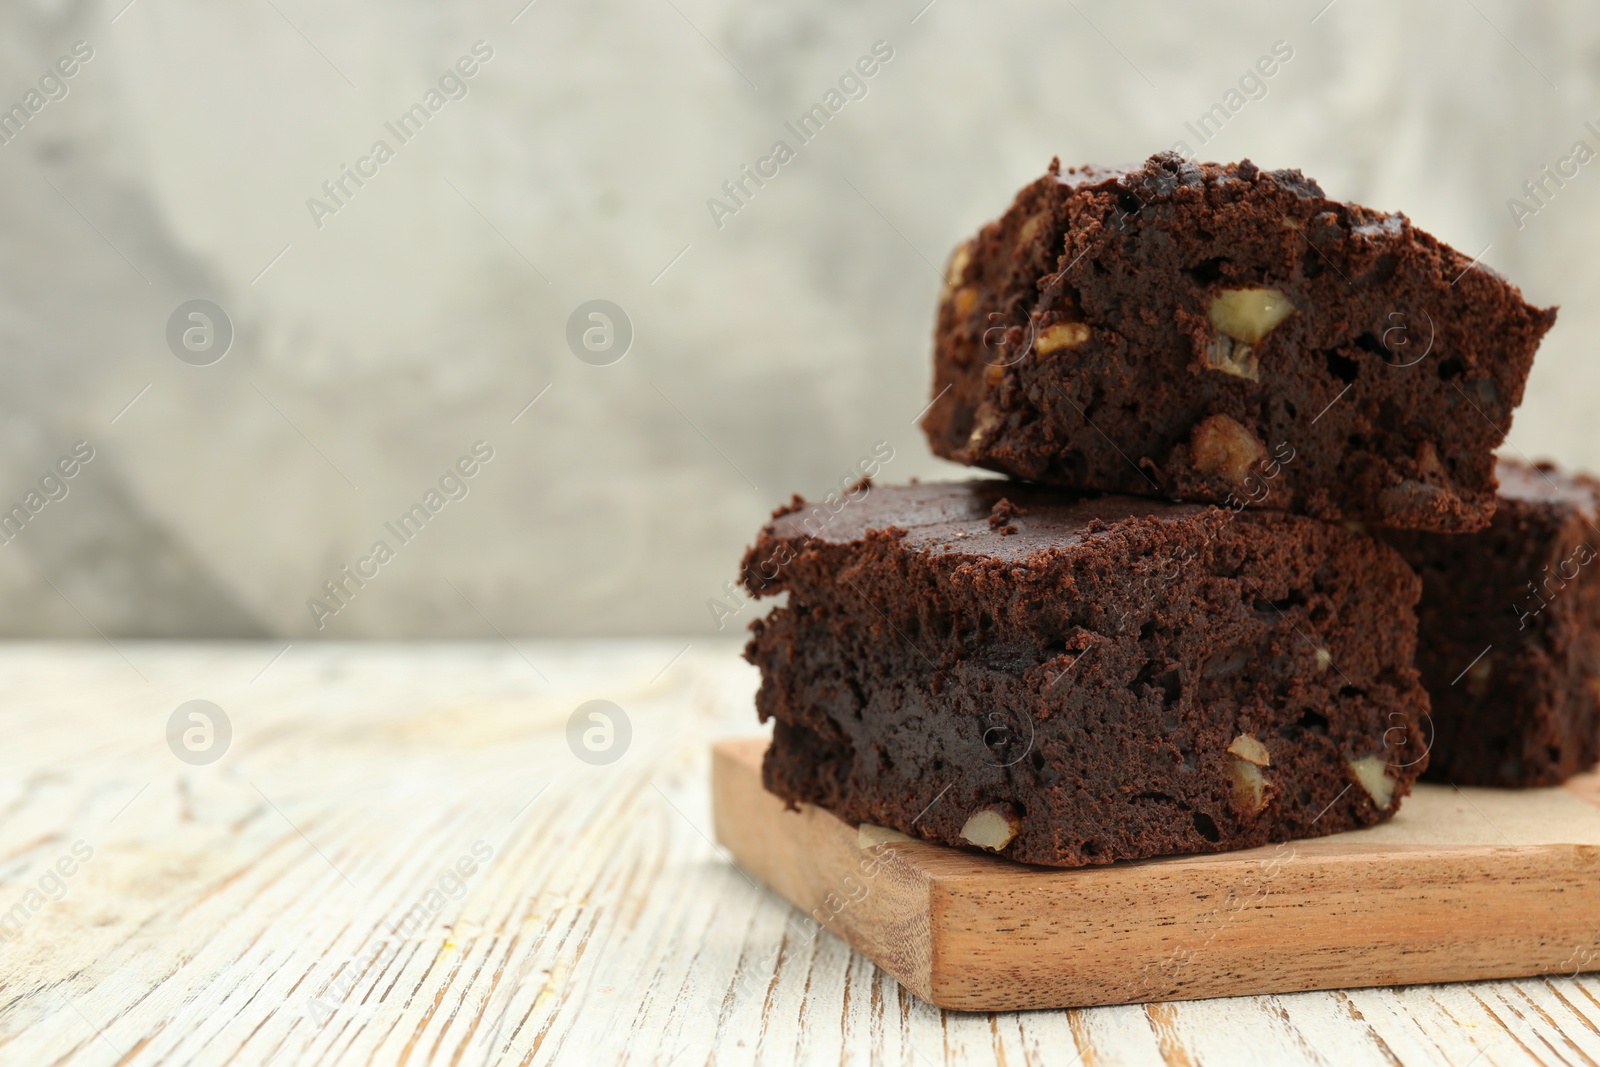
(1509, 634)
(1073, 679)
(1156, 330)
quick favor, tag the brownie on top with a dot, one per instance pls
(1156, 330)
(1509, 634)
(1071, 679)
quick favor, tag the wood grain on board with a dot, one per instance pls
(1461, 885)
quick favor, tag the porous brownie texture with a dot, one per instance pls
(1154, 330)
(1509, 634)
(1072, 679)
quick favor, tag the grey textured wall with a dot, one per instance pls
(379, 337)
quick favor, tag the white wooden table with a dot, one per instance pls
(399, 859)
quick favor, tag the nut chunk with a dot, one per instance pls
(1249, 314)
(1509, 634)
(1220, 445)
(1164, 296)
(991, 829)
(1068, 679)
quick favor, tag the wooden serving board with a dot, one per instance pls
(1462, 884)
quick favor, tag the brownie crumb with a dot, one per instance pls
(796, 502)
(1002, 514)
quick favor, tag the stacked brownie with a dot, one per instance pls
(1170, 631)
(1510, 624)
(1162, 330)
(1077, 678)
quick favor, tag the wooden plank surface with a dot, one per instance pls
(245, 911)
(1403, 903)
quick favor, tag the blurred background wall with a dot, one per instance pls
(378, 338)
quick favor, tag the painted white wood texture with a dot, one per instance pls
(246, 911)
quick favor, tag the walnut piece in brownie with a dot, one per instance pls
(1509, 634)
(1120, 678)
(1154, 330)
